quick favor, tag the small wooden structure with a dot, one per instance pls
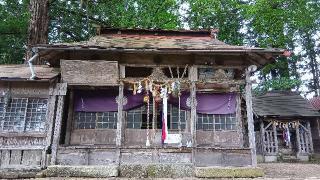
(186, 86)
(283, 125)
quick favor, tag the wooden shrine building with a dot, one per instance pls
(285, 125)
(128, 98)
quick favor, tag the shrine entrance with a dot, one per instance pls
(281, 139)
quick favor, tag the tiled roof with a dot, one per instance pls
(22, 72)
(285, 104)
(158, 40)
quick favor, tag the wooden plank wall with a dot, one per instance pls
(26, 149)
(100, 73)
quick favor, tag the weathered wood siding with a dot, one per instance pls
(219, 138)
(25, 149)
(86, 156)
(93, 73)
(93, 136)
(138, 137)
(21, 158)
(222, 157)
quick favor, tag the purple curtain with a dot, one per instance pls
(105, 100)
(208, 103)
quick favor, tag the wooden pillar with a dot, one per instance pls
(263, 138)
(120, 115)
(193, 77)
(298, 138)
(193, 113)
(50, 120)
(310, 136)
(60, 90)
(239, 120)
(275, 140)
(70, 118)
(252, 143)
(120, 119)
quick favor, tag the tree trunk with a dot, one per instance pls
(38, 25)
(309, 44)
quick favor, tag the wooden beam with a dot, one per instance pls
(70, 118)
(50, 118)
(275, 136)
(120, 130)
(239, 119)
(252, 141)
(310, 136)
(57, 129)
(120, 113)
(298, 138)
(262, 133)
(193, 76)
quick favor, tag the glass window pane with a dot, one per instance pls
(36, 114)
(15, 115)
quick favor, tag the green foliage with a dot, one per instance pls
(292, 25)
(282, 83)
(224, 15)
(285, 24)
(76, 20)
(13, 30)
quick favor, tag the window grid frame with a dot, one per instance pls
(143, 110)
(135, 121)
(219, 122)
(13, 117)
(183, 113)
(95, 120)
(35, 104)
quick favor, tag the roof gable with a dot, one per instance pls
(285, 104)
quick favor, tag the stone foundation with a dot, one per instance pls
(270, 158)
(80, 171)
(151, 171)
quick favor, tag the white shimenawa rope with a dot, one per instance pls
(148, 121)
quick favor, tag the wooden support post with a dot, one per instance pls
(57, 129)
(193, 77)
(298, 139)
(239, 120)
(50, 121)
(275, 140)
(120, 119)
(264, 150)
(252, 143)
(70, 118)
(310, 136)
(60, 90)
(193, 113)
(120, 115)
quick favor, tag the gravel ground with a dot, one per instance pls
(291, 170)
(281, 171)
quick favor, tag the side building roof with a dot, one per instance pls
(282, 104)
(21, 72)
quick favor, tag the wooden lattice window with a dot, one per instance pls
(36, 114)
(174, 118)
(210, 122)
(137, 118)
(95, 120)
(134, 118)
(1, 107)
(23, 115)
